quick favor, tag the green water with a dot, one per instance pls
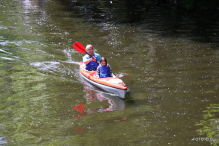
(173, 83)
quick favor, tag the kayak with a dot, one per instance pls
(110, 84)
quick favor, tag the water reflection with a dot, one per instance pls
(30, 7)
(93, 94)
(209, 125)
(29, 4)
(41, 3)
(98, 101)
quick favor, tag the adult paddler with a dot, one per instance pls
(92, 60)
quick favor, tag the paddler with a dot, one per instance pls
(104, 70)
(92, 60)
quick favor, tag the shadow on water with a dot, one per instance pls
(163, 20)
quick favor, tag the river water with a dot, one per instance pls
(171, 60)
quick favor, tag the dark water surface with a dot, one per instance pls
(172, 60)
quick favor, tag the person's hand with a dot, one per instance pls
(94, 59)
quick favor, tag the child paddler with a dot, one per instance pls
(104, 70)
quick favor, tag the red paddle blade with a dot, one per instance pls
(79, 47)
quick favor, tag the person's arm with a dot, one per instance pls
(87, 60)
(97, 72)
(111, 72)
(98, 58)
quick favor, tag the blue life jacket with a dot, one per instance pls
(104, 71)
(92, 65)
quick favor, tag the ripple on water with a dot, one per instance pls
(3, 51)
(46, 65)
(3, 27)
(2, 141)
(6, 58)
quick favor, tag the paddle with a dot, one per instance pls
(79, 47)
